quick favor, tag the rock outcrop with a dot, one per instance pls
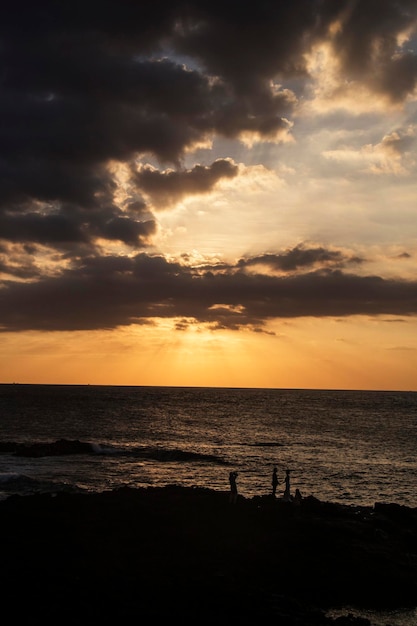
(187, 554)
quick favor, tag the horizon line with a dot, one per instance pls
(235, 387)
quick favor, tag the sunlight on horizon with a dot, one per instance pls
(308, 353)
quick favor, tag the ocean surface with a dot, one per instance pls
(352, 447)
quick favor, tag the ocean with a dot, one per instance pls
(351, 447)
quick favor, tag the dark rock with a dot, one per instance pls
(187, 554)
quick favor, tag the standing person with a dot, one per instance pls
(233, 487)
(274, 481)
(287, 492)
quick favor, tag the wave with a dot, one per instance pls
(164, 454)
(65, 447)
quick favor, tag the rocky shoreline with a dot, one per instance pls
(188, 555)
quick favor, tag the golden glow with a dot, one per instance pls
(355, 353)
(330, 90)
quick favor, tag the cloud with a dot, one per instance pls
(167, 187)
(370, 42)
(392, 155)
(301, 257)
(88, 89)
(72, 225)
(103, 293)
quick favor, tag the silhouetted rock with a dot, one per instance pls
(187, 554)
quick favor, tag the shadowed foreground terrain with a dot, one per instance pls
(187, 555)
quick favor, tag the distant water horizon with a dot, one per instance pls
(342, 389)
(350, 446)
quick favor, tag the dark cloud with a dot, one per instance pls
(130, 232)
(72, 225)
(35, 227)
(89, 85)
(169, 186)
(301, 257)
(31, 178)
(104, 293)
(367, 45)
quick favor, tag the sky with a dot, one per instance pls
(209, 193)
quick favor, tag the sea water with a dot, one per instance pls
(351, 447)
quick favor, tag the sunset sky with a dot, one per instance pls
(209, 193)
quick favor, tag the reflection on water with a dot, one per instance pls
(352, 447)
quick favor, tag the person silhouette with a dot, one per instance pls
(233, 487)
(297, 497)
(287, 492)
(274, 481)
